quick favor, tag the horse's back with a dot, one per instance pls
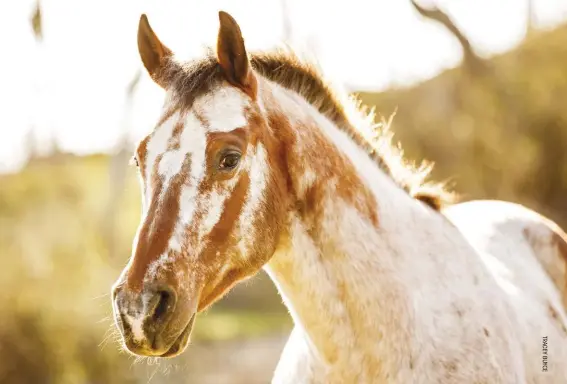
(519, 226)
(527, 255)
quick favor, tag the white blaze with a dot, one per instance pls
(157, 145)
(224, 109)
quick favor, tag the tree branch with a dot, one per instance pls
(470, 58)
(36, 21)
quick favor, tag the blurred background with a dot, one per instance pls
(479, 88)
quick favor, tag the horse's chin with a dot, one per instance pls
(180, 344)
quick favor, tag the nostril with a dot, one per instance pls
(164, 302)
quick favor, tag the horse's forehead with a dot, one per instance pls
(180, 133)
(222, 110)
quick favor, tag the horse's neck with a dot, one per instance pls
(346, 278)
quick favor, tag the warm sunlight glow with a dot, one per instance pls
(70, 87)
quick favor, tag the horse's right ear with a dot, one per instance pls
(154, 54)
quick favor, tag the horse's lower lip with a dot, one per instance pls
(182, 340)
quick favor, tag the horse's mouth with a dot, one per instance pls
(182, 340)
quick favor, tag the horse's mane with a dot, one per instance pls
(191, 79)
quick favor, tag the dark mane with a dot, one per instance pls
(192, 79)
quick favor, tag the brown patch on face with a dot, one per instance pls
(159, 223)
(219, 241)
(174, 140)
(268, 223)
(486, 333)
(216, 142)
(220, 250)
(199, 115)
(229, 218)
(141, 153)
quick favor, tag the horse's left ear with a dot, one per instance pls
(232, 56)
(153, 52)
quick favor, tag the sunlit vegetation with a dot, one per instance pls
(56, 323)
(499, 133)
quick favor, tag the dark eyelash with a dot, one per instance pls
(134, 161)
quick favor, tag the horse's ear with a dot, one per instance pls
(154, 54)
(232, 56)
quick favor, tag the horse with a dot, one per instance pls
(257, 162)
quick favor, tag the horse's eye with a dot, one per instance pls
(229, 161)
(134, 161)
